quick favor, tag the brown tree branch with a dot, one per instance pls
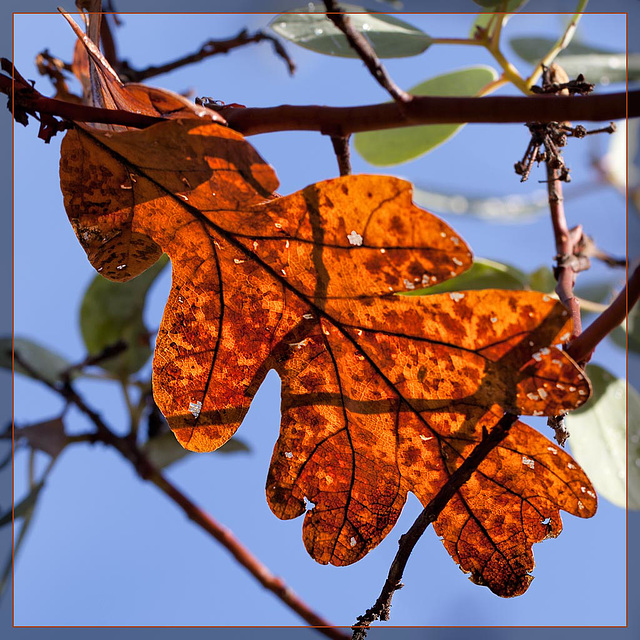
(343, 154)
(380, 610)
(566, 245)
(208, 49)
(346, 120)
(145, 469)
(362, 47)
(581, 348)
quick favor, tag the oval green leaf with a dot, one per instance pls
(46, 363)
(483, 274)
(598, 65)
(394, 146)
(112, 311)
(390, 37)
(509, 209)
(598, 441)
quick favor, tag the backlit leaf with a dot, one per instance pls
(381, 394)
(599, 437)
(393, 146)
(112, 312)
(389, 36)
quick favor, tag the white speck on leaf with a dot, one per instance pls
(352, 542)
(121, 266)
(456, 296)
(408, 284)
(194, 408)
(288, 454)
(354, 238)
(458, 262)
(528, 462)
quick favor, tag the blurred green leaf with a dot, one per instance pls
(490, 7)
(602, 291)
(598, 65)
(513, 208)
(598, 440)
(163, 450)
(501, 5)
(112, 311)
(393, 146)
(23, 507)
(389, 36)
(48, 364)
(542, 279)
(483, 274)
(632, 326)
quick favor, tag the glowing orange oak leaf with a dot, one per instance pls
(381, 394)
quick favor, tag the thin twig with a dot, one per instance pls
(581, 348)
(343, 155)
(566, 241)
(208, 49)
(145, 469)
(346, 120)
(380, 610)
(365, 51)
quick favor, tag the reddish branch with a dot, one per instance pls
(567, 262)
(581, 348)
(145, 469)
(346, 120)
(343, 154)
(365, 51)
(382, 606)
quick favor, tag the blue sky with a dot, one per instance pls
(108, 549)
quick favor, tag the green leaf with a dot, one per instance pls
(501, 5)
(602, 291)
(390, 37)
(542, 279)
(512, 208)
(112, 311)
(483, 274)
(23, 507)
(598, 441)
(163, 450)
(598, 65)
(393, 146)
(628, 333)
(48, 364)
